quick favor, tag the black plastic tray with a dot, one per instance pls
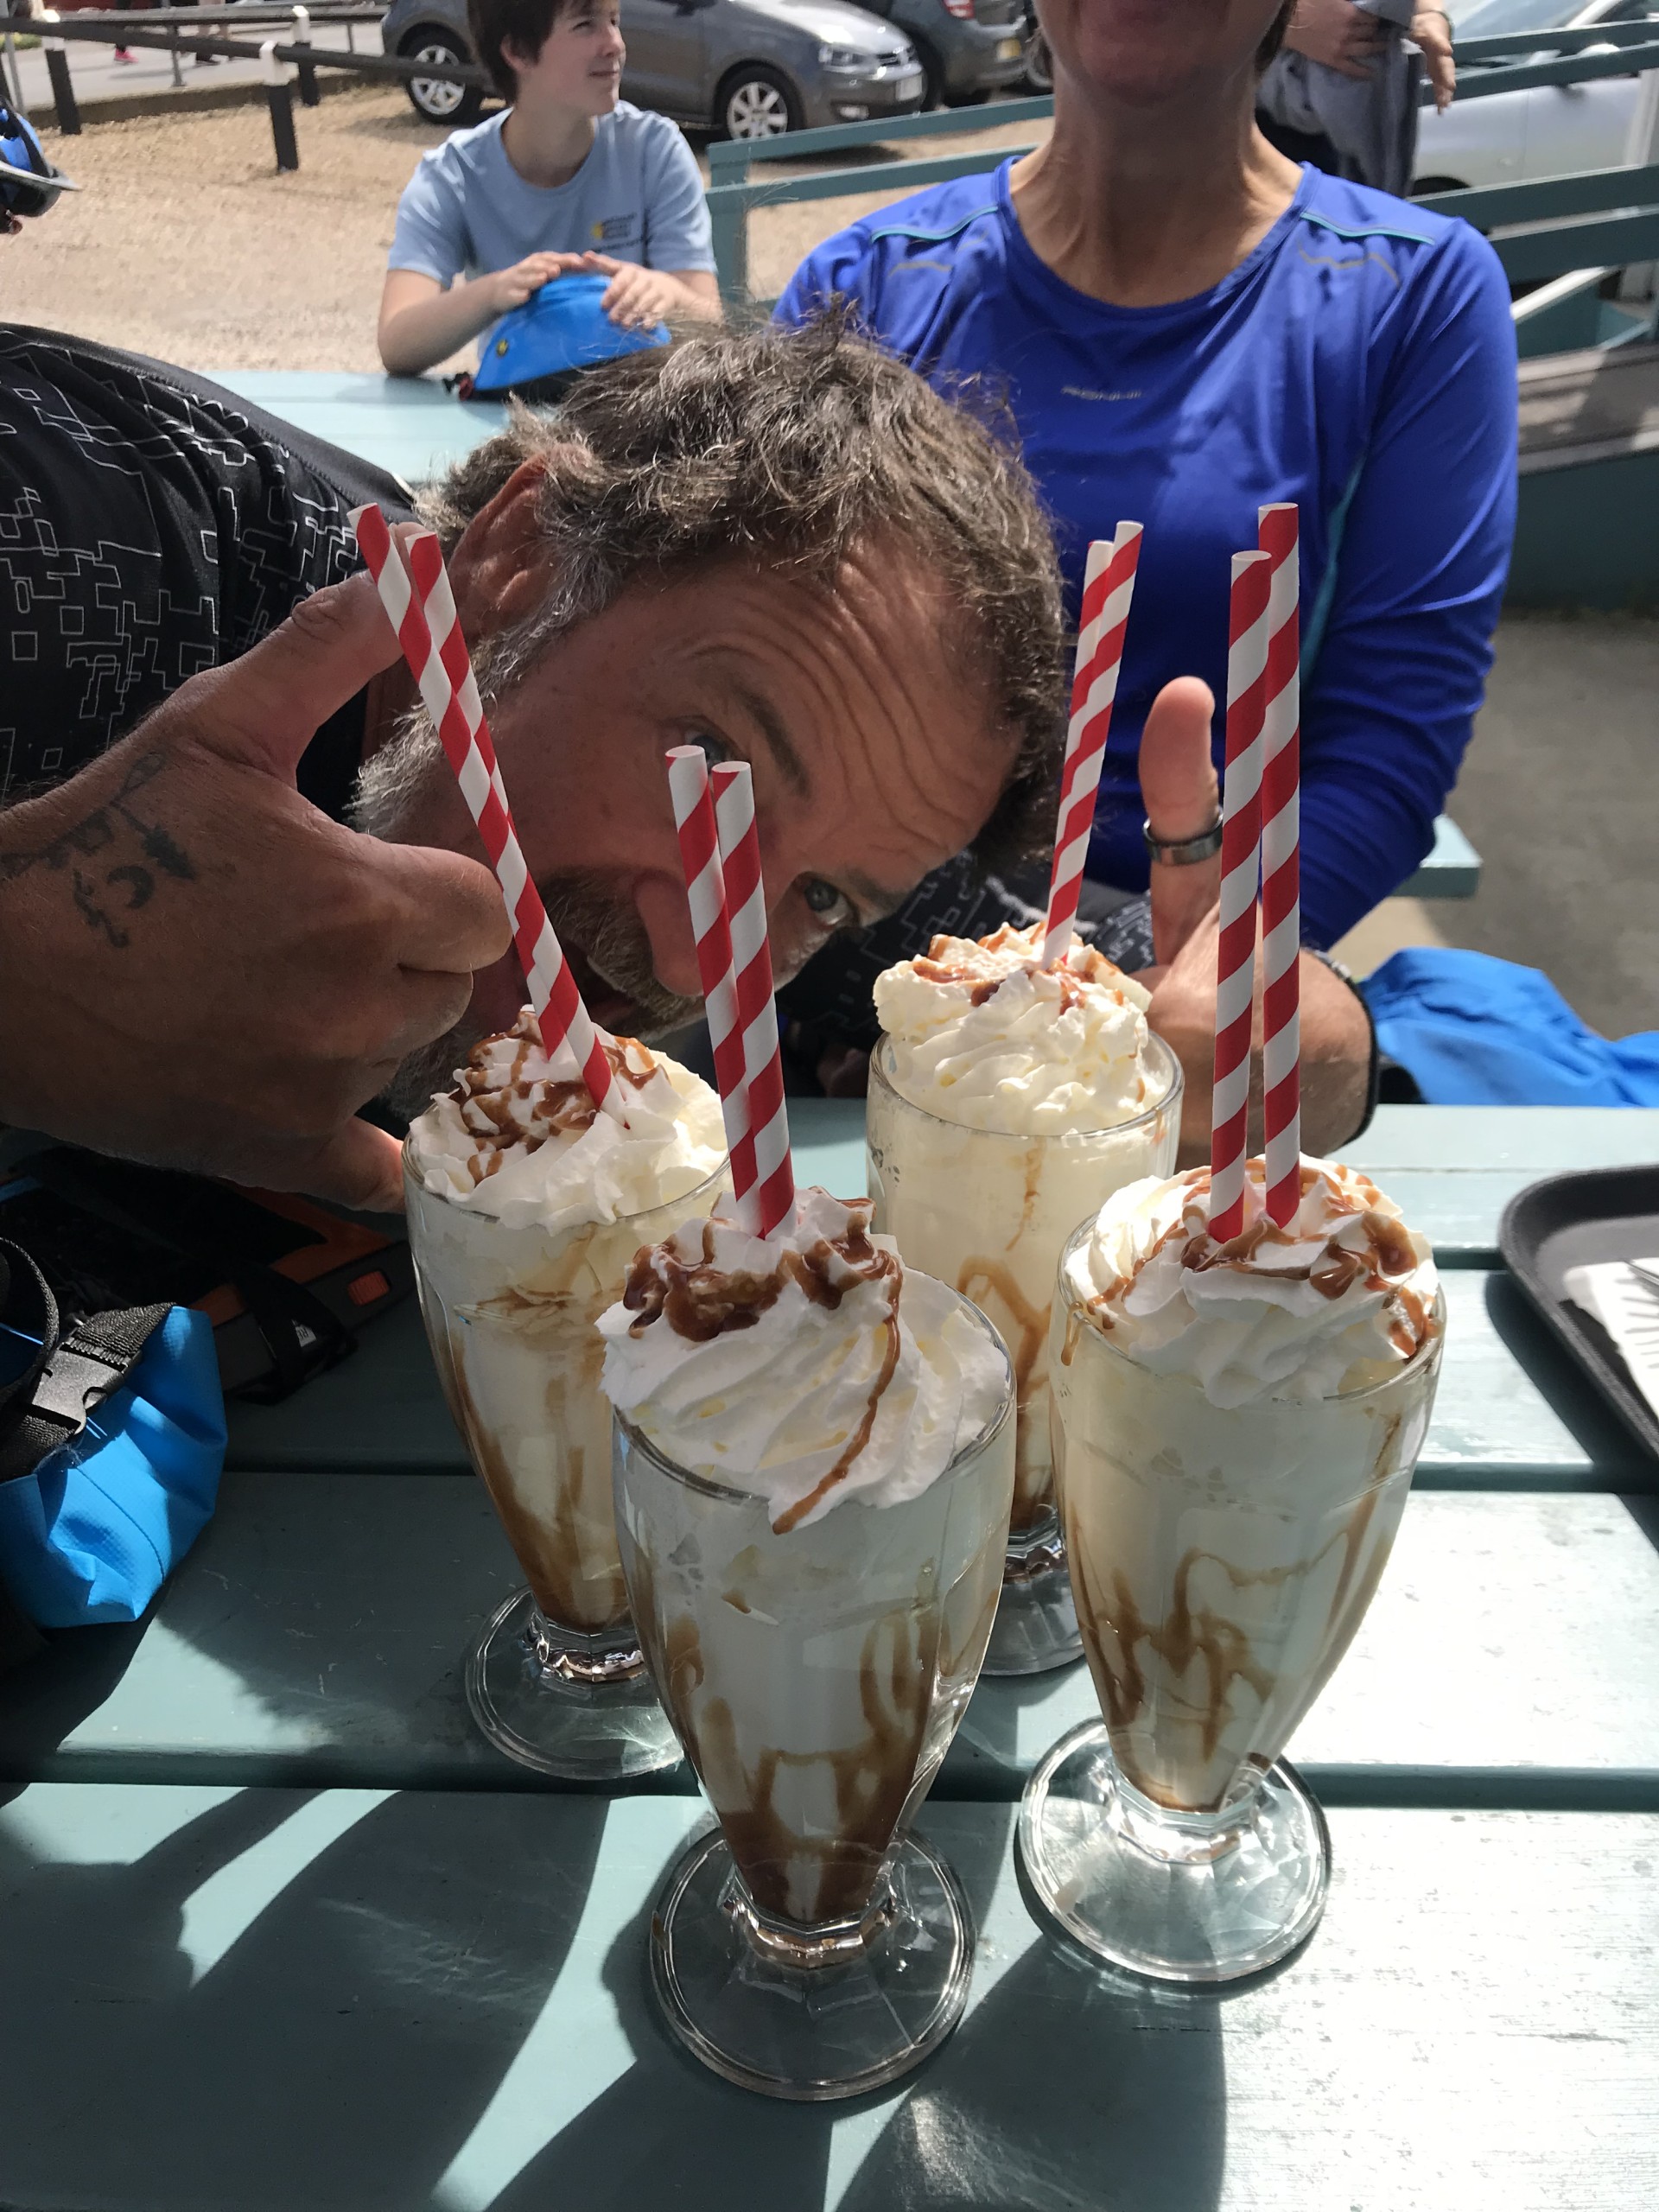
(1569, 1221)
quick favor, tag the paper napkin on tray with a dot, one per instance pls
(1624, 1296)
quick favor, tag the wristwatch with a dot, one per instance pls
(1184, 852)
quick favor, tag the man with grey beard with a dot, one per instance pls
(784, 547)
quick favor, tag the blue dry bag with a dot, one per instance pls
(111, 1439)
(536, 351)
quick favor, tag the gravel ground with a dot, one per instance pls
(185, 242)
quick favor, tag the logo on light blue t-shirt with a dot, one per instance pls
(614, 229)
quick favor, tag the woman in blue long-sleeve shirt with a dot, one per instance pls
(1187, 325)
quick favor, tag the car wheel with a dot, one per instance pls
(932, 74)
(756, 102)
(977, 98)
(1039, 70)
(434, 99)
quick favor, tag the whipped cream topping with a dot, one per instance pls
(1336, 1302)
(806, 1369)
(983, 1034)
(517, 1141)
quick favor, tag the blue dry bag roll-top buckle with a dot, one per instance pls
(111, 1439)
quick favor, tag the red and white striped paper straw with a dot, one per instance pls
(705, 891)
(421, 608)
(1241, 841)
(1281, 904)
(763, 1183)
(1108, 590)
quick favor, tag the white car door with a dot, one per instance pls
(1571, 127)
(1475, 143)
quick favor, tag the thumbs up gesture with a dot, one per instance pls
(199, 969)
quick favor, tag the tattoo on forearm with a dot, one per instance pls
(106, 880)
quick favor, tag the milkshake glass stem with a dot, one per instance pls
(988, 1210)
(812, 1948)
(830, 1944)
(569, 1657)
(1223, 1559)
(556, 1679)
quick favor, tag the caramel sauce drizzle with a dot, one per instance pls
(1081, 971)
(1388, 1255)
(526, 1112)
(700, 1301)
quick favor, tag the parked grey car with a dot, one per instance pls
(749, 68)
(969, 48)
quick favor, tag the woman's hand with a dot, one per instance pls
(1431, 28)
(1338, 33)
(638, 298)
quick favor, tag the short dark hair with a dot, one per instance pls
(526, 22)
(792, 448)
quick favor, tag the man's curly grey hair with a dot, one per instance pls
(790, 450)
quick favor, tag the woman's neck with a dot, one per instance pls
(1140, 207)
(547, 145)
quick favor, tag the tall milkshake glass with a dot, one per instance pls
(974, 1191)
(816, 1670)
(1223, 1555)
(556, 1679)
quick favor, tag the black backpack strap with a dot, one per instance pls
(74, 1371)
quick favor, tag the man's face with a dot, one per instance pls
(873, 760)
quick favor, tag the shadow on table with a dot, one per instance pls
(1067, 2085)
(335, 2051)
(985, 1760)
(1064, 2088)
(49, 1696)
(1565, 1388)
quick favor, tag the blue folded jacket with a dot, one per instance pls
(1474, 1031)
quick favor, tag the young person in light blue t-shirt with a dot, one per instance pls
(570, 178)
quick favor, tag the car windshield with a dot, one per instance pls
(1494, 17)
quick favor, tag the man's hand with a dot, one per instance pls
(1431, 28)
(1181, 797)
(1338, 33)
(201, 969)
(506, 289)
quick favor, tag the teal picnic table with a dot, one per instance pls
(278, 1933)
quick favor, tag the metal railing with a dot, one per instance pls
(175, 31)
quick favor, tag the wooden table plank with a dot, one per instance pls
(1501, 1421)
(260, 2000)
(409, 425)
(315, 1635)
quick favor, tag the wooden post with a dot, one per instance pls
(280, 100)
(308, 92)
(63, 90)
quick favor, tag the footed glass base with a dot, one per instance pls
(1036, 1624)
(811, 2016)
(579, 1706)
(1183, 1897)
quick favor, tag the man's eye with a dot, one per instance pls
(714, 749)
(830, 905)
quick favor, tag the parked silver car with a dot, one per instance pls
(748, 68)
